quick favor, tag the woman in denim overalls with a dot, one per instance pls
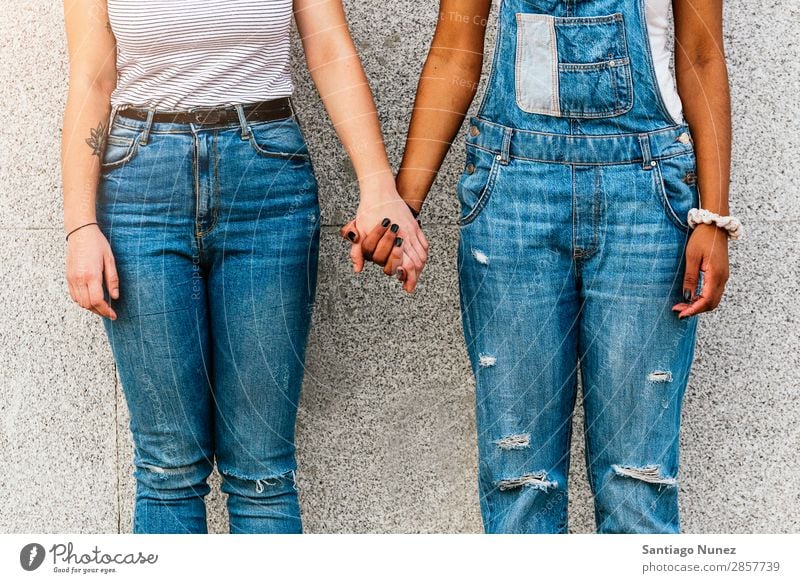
(575, 254)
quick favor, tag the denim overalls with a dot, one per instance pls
(572, 233)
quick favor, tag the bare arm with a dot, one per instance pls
(92, 78)
(446, 89)
(339, 77)
(702, 79)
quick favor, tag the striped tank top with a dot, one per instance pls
(178, 54)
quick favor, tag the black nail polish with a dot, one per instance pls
(398, 241)
(385, 223)
(687, 295)
(395, 228)
(351, 235)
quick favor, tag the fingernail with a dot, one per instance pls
(398, 241)
(385, 223)
(687, 295)
(351, 235)
(419, 223)
(395, 228)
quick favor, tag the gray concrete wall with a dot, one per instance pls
(386, 432)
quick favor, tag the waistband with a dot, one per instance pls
(644, 148)
(237, 115)
(258, 111)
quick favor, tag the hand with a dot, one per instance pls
(384, 247)
(376, 208)
(90, 262)
(707, 251)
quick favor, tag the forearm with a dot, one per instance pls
(342, 84)
(82, 143)
(446, 90)
(703, 86)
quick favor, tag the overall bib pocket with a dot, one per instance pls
(574, 67)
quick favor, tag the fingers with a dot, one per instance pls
(395, 258)
(385, 245)
(111, 275)
(691, 275)
(709, 298)
(97, 298)
(416, 253)
(410, 273)
(350, 232)
(357, 257)
(373, 238)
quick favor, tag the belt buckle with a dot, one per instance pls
(204, 115)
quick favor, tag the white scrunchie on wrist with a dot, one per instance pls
(702, 216)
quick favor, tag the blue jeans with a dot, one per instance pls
(215, 232)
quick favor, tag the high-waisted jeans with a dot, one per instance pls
(215, 233)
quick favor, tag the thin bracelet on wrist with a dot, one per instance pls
(82, 226)
(730, 224)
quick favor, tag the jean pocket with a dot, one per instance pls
(121, 145)
(279, 139)
(676, 187)
(568, 66)
(476, 183)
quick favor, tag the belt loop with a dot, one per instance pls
(242, 121)
(112, 116)
(505, 149)
(647, 158)
(147, 124)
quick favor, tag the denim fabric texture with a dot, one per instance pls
(573, 229)
(215, 231)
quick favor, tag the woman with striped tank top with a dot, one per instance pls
(192, 221)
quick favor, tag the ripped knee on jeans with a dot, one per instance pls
(239, 483)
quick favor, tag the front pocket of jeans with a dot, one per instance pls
(117, 151)
(279, 139)
(676, 187)
(572, 66)
(476, 183)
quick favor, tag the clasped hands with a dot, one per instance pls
(386, 233)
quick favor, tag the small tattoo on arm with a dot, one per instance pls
(97, 140)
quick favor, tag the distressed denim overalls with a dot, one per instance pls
(572, 233)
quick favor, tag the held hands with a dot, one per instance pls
(386, 233)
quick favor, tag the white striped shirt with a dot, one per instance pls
(177, 54)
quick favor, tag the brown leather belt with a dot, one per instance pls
(261, 111)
